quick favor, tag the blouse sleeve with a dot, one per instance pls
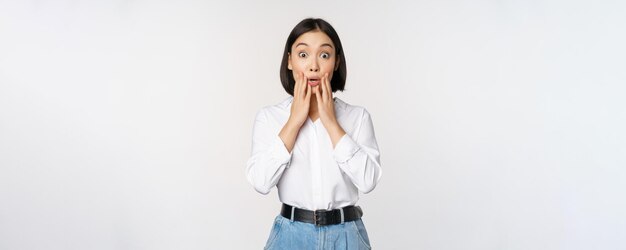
(269, 156)
(359, 157)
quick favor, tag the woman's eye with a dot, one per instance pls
(325, 55)
(302, 54)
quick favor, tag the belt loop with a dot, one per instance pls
(292, 213)
(342, 218)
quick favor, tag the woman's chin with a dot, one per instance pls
(314, 90)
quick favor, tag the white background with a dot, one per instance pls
(127, 124)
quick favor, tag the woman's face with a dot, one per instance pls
(313, 54)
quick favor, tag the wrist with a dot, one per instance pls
(293, 123)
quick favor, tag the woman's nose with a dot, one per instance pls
(314, 67)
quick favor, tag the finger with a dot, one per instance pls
(308, 93)
(299, 83)
(296, 86)
(302, 88)
(304, 85)
(330, 89)
(318, 96)
(325, 87)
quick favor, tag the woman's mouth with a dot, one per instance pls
(314, 82)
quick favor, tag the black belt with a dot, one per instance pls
(322, 217)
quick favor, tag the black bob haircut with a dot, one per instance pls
(312, 24)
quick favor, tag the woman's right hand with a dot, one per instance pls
(301, 101)
(299, 112)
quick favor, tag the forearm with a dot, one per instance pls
(288, 134)
(359, 161)
(335, 131)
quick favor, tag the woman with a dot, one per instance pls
(319, 151)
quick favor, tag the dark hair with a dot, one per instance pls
(339, 77)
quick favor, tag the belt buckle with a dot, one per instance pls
(315, 218)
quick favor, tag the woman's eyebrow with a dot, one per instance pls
(325, 44)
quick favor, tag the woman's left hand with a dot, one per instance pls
(326, 108)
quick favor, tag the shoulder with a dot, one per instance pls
(350, 110)
(276, 110)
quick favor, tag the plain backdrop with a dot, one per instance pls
(127, 124)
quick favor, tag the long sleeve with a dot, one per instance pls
(269, 157)
(359, 158)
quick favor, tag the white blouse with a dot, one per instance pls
(314, 175)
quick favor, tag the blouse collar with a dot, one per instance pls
(286, 104)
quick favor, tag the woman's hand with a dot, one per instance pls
(299, 112)
(301, 101)
(326, 108)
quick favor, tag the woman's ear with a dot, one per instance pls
(337, 63)
(289, 61)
